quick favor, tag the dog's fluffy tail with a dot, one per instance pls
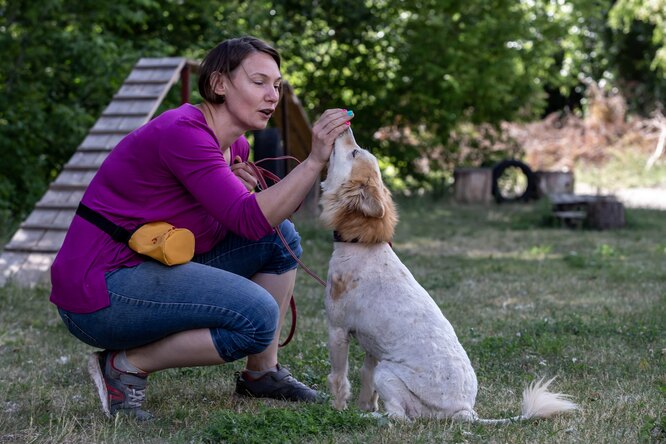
(538, 402)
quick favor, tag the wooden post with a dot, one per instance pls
(473, 185)
(605, 213)
(185, 84)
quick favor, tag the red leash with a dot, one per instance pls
(262, 174)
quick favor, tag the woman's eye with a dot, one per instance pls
(354, 153)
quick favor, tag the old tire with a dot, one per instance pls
(530, 191)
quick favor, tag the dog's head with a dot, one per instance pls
(354, 200)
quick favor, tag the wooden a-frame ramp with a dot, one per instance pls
(26, 259)
(28, 256)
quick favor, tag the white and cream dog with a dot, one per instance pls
(413, 359)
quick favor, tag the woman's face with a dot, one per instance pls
(254, 90)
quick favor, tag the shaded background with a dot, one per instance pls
(433, 83)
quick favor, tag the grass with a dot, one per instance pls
(526, 300)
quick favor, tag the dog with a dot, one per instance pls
(413, 361)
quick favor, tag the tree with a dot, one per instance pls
(625, 12)
(420, 68)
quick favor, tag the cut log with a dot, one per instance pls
(605, 213)
(473, 185)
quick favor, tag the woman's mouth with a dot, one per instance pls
(267, 112)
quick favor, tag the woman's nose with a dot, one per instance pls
(273, 94)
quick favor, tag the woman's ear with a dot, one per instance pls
(218, 83)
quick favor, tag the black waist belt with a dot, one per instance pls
(118, 233)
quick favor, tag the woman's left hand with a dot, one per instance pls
(244, 173)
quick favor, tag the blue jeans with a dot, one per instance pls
(151, 301)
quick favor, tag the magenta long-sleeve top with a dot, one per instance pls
(171, 169)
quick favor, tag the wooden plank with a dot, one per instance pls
(134, 92)
(131, 107)
(42, 216)
(75, 179)
(60, 199)
(570, 214)
(161, 62)
(118, 124)
(80, 168)
(86, 158)
(51, 241)
(64, 217)
(60, 206)
(48, 227)
(153, 75)
(70, 187)
(100, 142)
(24, 239)
(49, 219)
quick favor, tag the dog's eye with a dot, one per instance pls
(354, 153)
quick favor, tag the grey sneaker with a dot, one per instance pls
(276, 385)
(119, 391)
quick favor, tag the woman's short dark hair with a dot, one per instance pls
(225, 58)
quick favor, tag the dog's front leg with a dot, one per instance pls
(367, 398)
(338, 384)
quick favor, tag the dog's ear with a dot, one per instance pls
(371, 200)
(365, 192)
(365, 195)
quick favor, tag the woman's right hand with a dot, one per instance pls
(331, 124)
(279, 201)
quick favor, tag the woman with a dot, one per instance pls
(186, 167)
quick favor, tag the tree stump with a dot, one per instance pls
(473, 185)
(605, 213)
(558, 182)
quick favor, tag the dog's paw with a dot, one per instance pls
(368, 406)
(339, 404)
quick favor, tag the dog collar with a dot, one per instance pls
(338, 238)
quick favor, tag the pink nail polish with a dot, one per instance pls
(347, 123)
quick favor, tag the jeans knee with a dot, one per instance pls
(292, 237)
(265, 330)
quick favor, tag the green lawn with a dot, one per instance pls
(527, 300)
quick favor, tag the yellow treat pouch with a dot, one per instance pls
(159, 240)
(163, 242)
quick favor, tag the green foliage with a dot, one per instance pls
(625, 12)
(417, 70)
